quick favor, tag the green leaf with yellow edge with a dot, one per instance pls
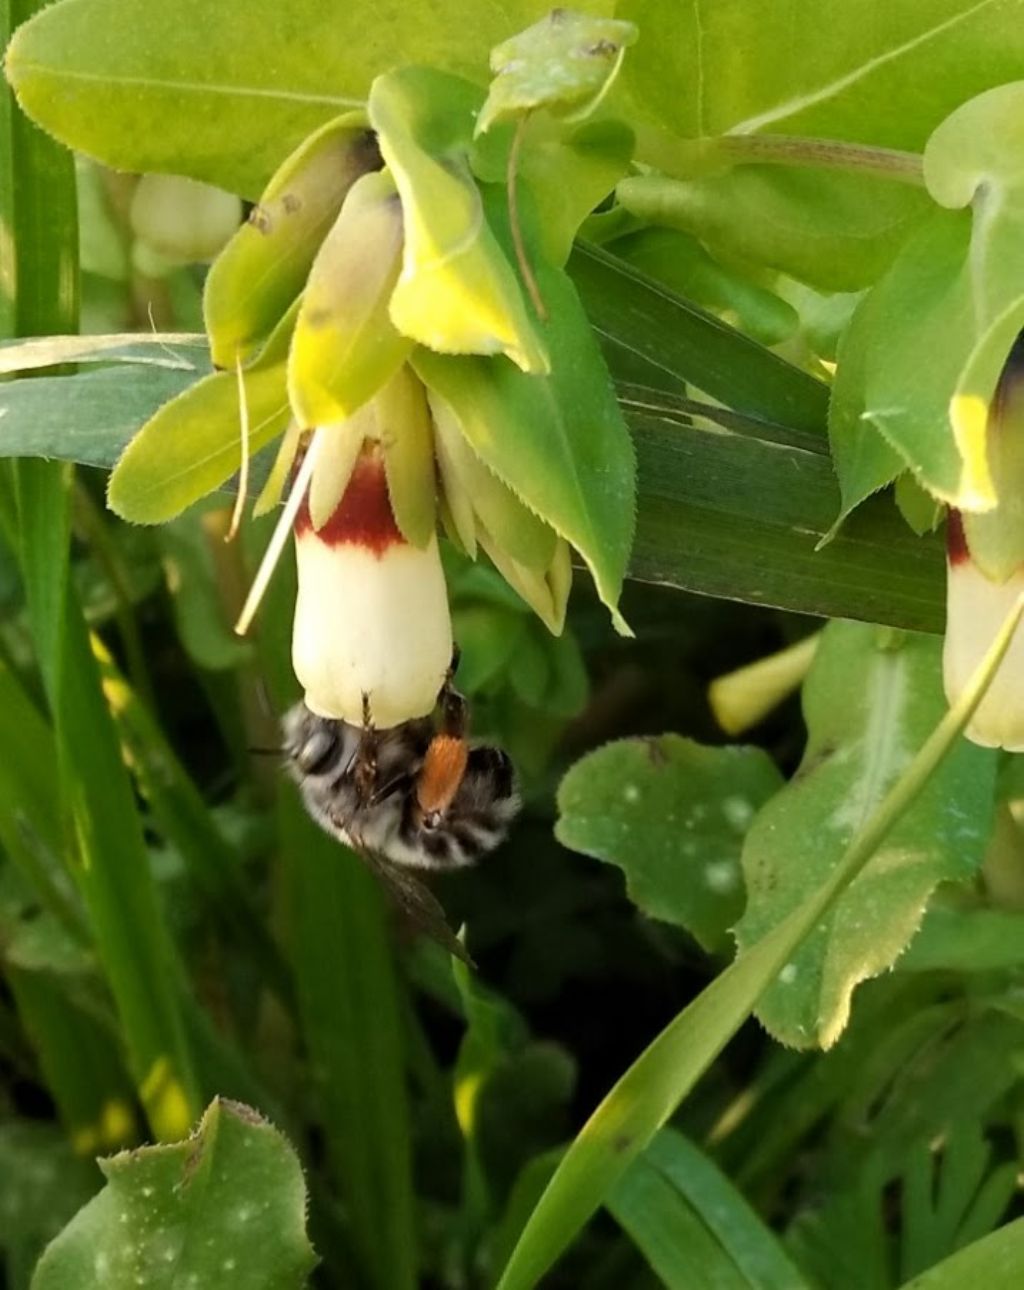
(567, 171)
(514, 527)
(559, 63)
(671, 815)
(226, 1207)
(837, 232)
(262, 269)
(955, 291)
(996, 538)
(558, 441)
(457, 292)
(345, 346)
(193, 443)
(865, 461)
(225, 94)
(869, 701)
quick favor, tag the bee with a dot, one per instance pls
(419, 796)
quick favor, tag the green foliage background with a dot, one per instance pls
(800, 237)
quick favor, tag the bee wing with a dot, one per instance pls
(416, 902)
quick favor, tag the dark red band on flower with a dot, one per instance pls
(956, 541)
(364, 516)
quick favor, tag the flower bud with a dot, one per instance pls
(185, 221)
(371, 618)
(976, 607)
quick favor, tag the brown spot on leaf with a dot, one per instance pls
(260, 220)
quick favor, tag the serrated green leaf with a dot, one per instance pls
(954, 291)
(672, 815)
(457, 292)
(558, 63)
(193, 444)
(868, 701)
(226, 100)
(345, 346)
(513, 526)
(558, 441)
(226, 1207)
(262, 269)
(865, 461)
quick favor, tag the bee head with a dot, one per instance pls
(309, 741)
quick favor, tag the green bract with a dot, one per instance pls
(457, 292)
(929, 342)
(559, 62)
(261, 271)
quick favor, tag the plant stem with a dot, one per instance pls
(689, 158)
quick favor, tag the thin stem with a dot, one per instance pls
(513, 220)
(833, 154)
(691, 158)
(243, 470)
(279, 536)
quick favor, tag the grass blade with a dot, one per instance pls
(105, 842)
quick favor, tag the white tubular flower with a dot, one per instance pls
(976, 607)
(372, 615)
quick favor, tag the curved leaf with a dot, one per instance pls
(672, 815)
(817, 67)
(558, 441)
(225, 93)
(194, 442)
(868, 701)
(226, 1208)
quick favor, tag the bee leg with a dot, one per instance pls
(391, 787)
(454, 713)
(364, 769)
